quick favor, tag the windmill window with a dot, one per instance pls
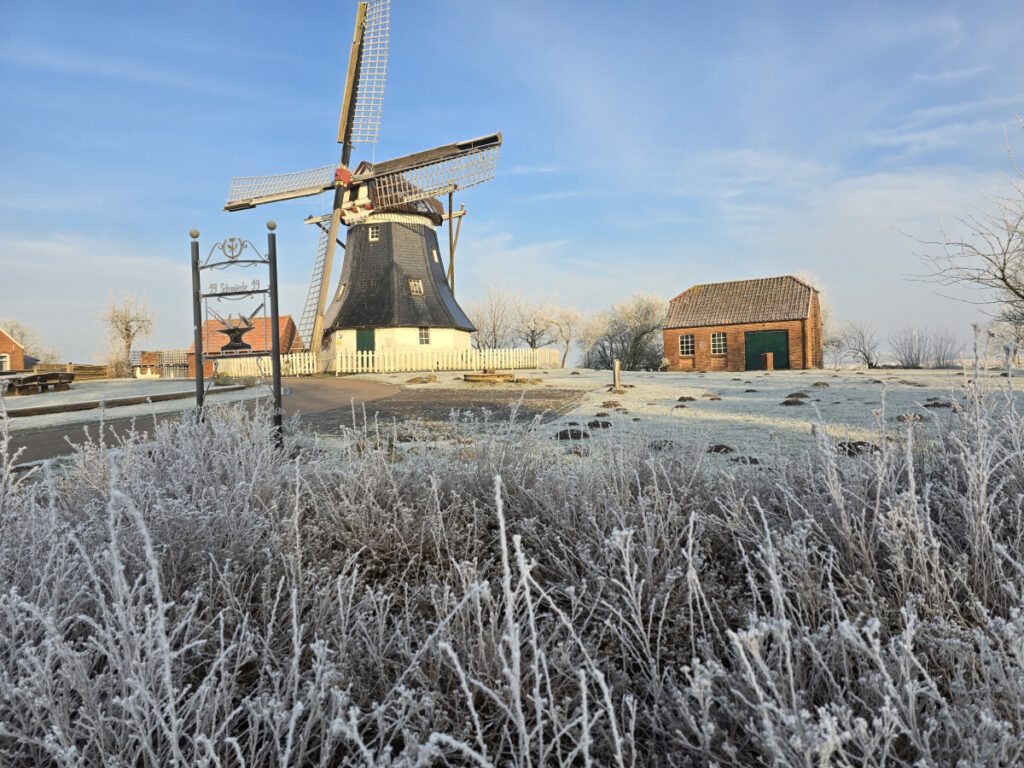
(341, 291)
(718, 344)
(415, 286)
(373, 233)
(424, 335)
(436, 257)
(686, 344)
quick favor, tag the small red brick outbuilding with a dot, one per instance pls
(731, 326)
(12, 354)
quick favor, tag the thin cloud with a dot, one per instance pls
(31, 55)
(949, 76)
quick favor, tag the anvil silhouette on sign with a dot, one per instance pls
(236, 332)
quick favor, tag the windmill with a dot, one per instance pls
(392, 284)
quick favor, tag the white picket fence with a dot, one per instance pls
(295, 364)
(446, 360)
(307, 363)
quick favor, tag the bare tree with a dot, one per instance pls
(988, 254)
(911, 347)
(31, 341)
(534, 323)
(127, 319)
(629, 332)
(567, 325)
(494, 317)
(860, 342)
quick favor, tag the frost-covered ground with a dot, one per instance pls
(493, 599)
(744, 411)
(88, 391)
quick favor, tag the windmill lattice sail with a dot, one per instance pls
(436, 171)
(250, 191)
(373, 69)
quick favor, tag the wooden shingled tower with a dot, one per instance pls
(394, 292)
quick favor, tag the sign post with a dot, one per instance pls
(230, 253)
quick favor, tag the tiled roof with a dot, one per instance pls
(765, 300)
(258, 338)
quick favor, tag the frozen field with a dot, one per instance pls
(744, 411)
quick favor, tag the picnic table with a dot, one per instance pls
(35, 383)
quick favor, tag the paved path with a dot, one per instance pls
(316, 399)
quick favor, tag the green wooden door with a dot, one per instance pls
(756, 343)
(365, 340)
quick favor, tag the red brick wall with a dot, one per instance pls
(15, 354)
(734, 359)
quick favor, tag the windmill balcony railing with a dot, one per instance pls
(308, 363)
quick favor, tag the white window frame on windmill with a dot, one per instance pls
(436, 257)
(373, 233)
(415, 286)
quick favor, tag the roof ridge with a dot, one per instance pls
(8, 335)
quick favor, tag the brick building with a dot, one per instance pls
(258, 338)
(12, 354)
(730, 326)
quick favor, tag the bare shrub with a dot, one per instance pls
(127, 319)
(199, 599)
(860, 342)
(911, 347)
(629, 332)
(946, 350)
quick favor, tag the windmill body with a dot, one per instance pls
(394, 293)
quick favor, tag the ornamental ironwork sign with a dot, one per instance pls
(228, 305)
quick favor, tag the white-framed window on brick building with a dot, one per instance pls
(5, 362)
(718, 343)
(686, 345)
(415, 286)
(373, 233)
(424, 335)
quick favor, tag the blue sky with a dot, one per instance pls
(648, 145)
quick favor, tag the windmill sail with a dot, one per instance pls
(434, 172)
(312, 307)
(373, 70)
(250, 191)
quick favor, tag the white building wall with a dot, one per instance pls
(402, 340)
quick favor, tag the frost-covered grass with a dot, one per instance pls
(493, 600)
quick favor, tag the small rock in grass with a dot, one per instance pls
(939, 404)
(792, 401)
(711, 395)
(737, 379)
(876, 381)
(662, 444)
(686, 399)
(797, 396)
(573, 433)
(744, 460)
(597, 424)
(610, 404)
(574, 423)
(719, 448)
(599, 414)
(574, 373)
(820, 384)
(678, 407)
(636, 418)
(856, 447)
(750, 390)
